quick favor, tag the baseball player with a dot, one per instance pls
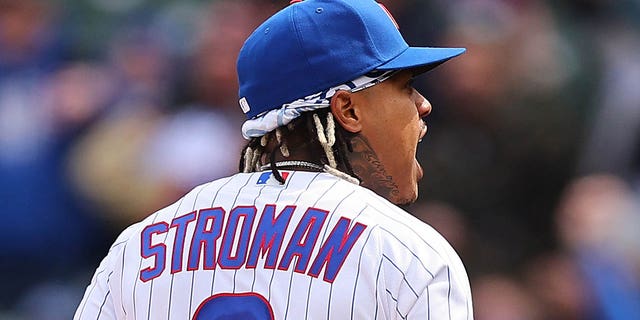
(310, 228)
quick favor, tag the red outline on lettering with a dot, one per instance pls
(342, 243)
(201, 248)
(186, 225)
(300, 243)
(255, 211)
(164, 247)
(262, 252)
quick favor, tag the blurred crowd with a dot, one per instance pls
(112, 109)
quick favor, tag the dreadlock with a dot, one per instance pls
(328, 143)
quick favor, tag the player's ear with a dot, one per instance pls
(345, 112)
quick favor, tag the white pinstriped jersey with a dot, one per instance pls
(245, 247)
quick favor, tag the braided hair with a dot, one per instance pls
(329, 144)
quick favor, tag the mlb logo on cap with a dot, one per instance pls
(268, 178)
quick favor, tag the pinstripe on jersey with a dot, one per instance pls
(395, 266)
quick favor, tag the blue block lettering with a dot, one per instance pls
(158, 251)
(335, 249)
(180, 223)
(226, 260)
(204, 240)
(269, 235)
(303, 240)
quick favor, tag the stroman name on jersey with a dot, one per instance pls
(242, 245)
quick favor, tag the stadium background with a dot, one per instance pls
(112, 109)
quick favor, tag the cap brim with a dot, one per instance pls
(424, 58)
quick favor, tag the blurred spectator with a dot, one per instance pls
(107, 169)
(116, 182)
(598, 222)
(499, 297)
(45, 231)
(498, 145)
(166, 150)
(448, 221)
(141, 67)
(212, 77)
(613, 143)
(51, 301)
(478, 255)
(30, 40)
(77, 94)
(555, 281)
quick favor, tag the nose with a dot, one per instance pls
(422, 104)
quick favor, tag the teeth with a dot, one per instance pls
(423, 131)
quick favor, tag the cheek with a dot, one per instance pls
(399, 130)
(398, 146)
(393, 131)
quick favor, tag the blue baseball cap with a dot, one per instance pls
(312, 45)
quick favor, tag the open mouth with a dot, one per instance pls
(423, 131)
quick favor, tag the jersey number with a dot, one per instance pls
(228, 306)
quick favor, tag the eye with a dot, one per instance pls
(409, 84)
